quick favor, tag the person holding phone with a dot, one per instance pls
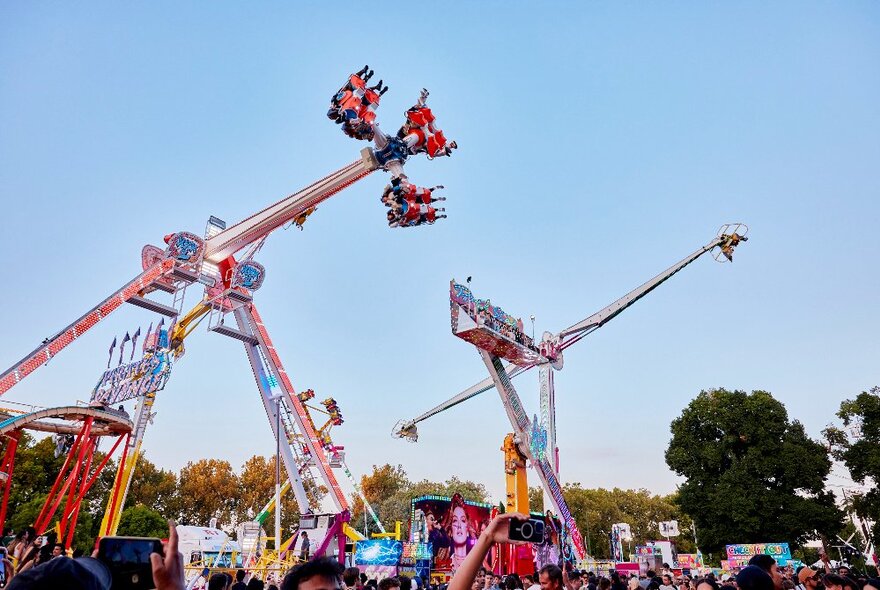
(498, 531)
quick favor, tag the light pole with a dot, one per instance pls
(277, 399)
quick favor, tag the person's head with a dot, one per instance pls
(512, 582)
(707, 583)
(350, 576)
(389, 584)
(843, 571)
(667, 580)
(218, 581)
(57, 549)
(753, 577)
(833, 582)
(255, 584)
(605, 584)
(239, 575)
(305, 535)
(872, 584)
(808, 577)
(324, 573)
(550, 577)
(650, 574)
(769, 565)
(528, 581)
(405, 582)
(496, 579)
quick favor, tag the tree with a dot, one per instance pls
(752, 475)
(596, 510)
(257, 488)
(208, 489)
(536, 499)
(859, 450)
(140, 521)
(154, 488)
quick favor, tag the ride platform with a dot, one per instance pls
(489, 328)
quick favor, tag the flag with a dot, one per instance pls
(134, 340)
(110, 355)
(122, 347)
(147, 339)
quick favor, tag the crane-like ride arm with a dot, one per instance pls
(727, 239)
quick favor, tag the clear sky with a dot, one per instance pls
(600, 142)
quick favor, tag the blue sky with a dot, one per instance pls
(600, 142)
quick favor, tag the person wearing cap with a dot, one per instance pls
(808, 579)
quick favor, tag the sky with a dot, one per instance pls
(599, 143)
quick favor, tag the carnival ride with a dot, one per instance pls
(223, 263)
(500, 337)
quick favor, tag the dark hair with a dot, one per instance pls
(553, 572)
(650, 574)
(531, 579)
(255, 584)
(875, 582)
(763, 561)
(239, 575)
(707, 580)
(389, 583)
(753, 577)
(63, 548)
(833, 580)
(405, 582)
(326, 567)
(350, 576)
(512, 582)
(218, 581)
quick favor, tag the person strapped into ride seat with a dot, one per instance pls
(354, 106)
(421, 135)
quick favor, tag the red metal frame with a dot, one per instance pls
(7, 467)
(73, 482)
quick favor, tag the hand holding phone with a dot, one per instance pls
(128, 559)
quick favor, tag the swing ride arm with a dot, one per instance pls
(408, 428)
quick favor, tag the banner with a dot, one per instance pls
(739, 555)
(688, 561)
(450, 525)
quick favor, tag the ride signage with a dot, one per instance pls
(739, 555)
(125, 382)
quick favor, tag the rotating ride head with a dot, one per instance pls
(407, 430)
(354, 106)
(731, 235)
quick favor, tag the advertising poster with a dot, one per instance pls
(739, 555)
(450, 525)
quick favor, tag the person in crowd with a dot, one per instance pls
(512, 582)
(872, 584)
(769, 565)
(667, 583)
(239, 581)
(405, 582)
(391, 583)
(616, 582)
(833, 582)
(324, 573)
(350, 578)
(58, 550)
(305, 550)
(753, 577)
(574, 580)
(707, 583)
(527, 580)
(633, 584)
(255, 584)
(219, 581)
(808, 579)
(648, 577)
(550, 577)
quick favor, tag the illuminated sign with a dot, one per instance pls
(125, 382)
(777, 550)
(378, 552)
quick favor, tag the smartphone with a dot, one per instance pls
(531, 530)
(128, 559)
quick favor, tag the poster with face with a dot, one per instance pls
(450, 525)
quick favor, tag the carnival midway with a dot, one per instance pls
(195, 283)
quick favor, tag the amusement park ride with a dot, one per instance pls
(222, 262)
(499, 337)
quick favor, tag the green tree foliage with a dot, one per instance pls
(154, 488)
(596, 510)
(752, 475)
(858, 447)
(140, 521)
(207, 489)
(389, 491)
